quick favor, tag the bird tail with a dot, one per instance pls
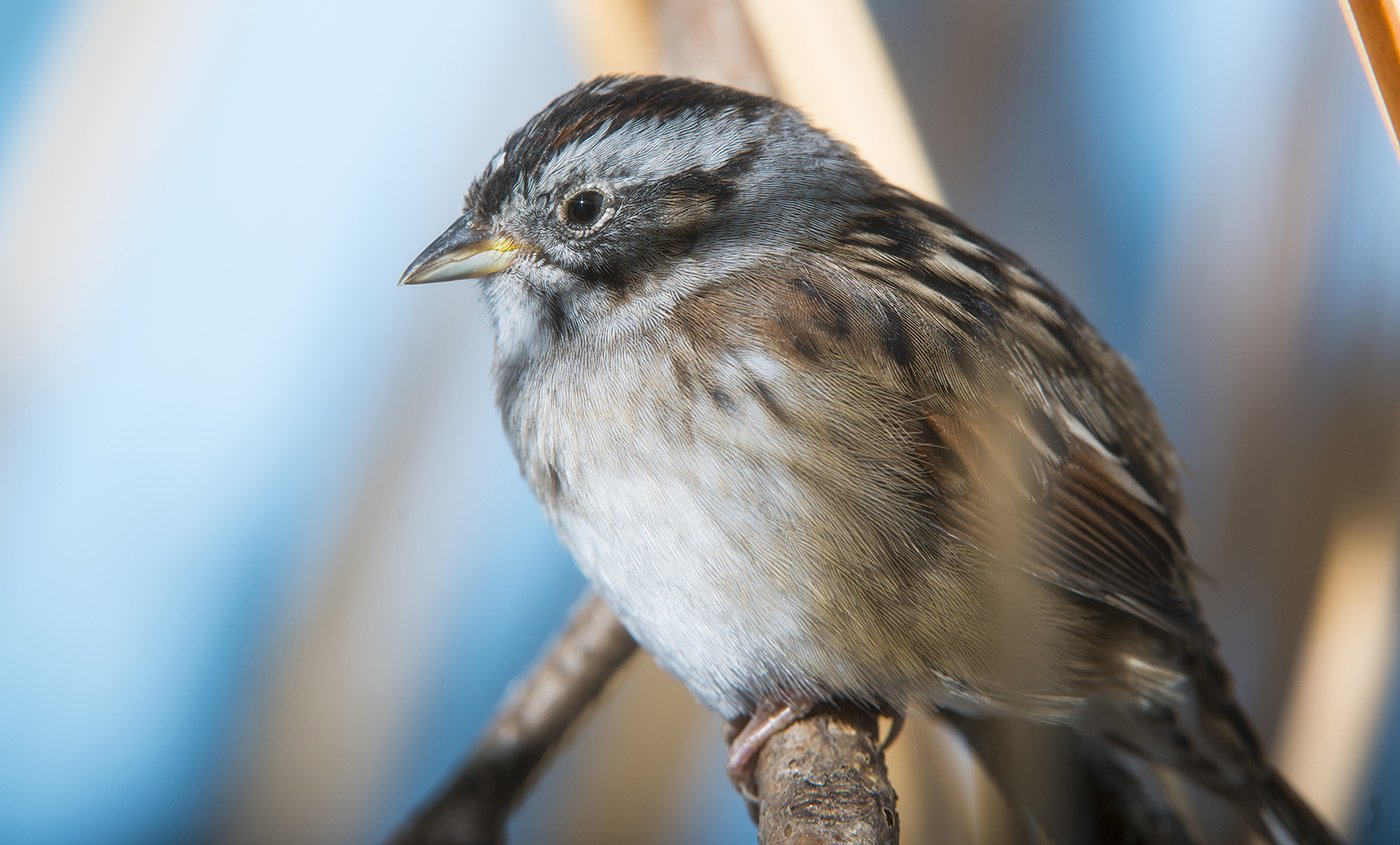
(1286, 819)
(1077, 788)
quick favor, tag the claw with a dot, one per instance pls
(747, 736)
(896, 726)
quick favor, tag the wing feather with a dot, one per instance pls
(1060, 420)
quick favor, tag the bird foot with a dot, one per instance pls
(747, 734)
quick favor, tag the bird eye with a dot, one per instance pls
(584, 208)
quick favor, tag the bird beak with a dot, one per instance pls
(462, 252)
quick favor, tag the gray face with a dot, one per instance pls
(607, 203)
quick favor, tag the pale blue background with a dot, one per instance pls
(165, 495)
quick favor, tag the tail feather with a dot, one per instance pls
(1078, 789)
(1286, 819)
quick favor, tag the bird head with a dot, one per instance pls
(630, 191)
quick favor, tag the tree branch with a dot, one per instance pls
(823, 780)
(536, 713)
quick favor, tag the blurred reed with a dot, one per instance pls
(1375, 30)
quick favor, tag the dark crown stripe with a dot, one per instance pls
(602, 107)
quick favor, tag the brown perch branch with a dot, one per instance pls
(535, 715)
(821, 780)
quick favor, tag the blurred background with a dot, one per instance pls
(266, 562)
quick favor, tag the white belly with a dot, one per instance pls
(686, 524)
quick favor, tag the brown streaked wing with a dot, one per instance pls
(1073, 524)
(1090, 523)
(1102, 542)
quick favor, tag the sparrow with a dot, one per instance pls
(812, 437)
